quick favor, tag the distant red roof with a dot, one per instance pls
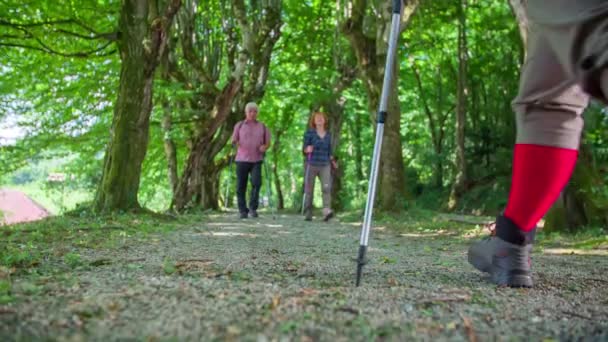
(15, 207)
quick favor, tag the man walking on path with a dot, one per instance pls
(252, 139)
(566, 63)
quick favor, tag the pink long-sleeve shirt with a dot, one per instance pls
(250, 135)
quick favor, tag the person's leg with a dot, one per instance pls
(242, 173)
(594, 65)
(549, 124)
(325, 176)
(256, 185)
(313, 171)
(564, 66)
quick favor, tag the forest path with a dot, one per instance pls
(273, 279)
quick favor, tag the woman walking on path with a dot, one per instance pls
(317, 147)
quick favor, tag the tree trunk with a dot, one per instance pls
(358, 154)
(142, 40)
(170, 149)
(460, 184)
(191, 182)
(276, 148)
(248, 58)
(436, 122)
(392, 188)
(208, 196)
(277, 185)
(371, 57)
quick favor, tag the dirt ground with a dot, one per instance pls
(286, 279)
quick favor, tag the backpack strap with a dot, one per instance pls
(239, 125)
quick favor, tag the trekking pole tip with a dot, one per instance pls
(360, 262)
(359, 273)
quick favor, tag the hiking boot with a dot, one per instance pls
(328, 216)
(506, 255)
(254, 213)
(481, 252)
(243, 215)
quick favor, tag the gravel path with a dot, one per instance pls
(285, 279)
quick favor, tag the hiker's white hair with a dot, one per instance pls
(251, 105)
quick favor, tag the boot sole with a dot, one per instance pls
(513, 280)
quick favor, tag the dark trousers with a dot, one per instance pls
(243, 169)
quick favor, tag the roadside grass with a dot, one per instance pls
(465, 227)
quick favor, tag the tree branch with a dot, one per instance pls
(186, 22)
(43, 47)
(95, 34)
(111, 36)
(91, 53)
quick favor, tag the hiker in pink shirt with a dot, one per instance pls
(252, 139)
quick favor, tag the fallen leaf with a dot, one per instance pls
(349, 310)
(233, 330)
(6, 310)
(468, 328)
(308, 292)
(276, 300)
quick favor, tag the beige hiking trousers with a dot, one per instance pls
(566, 63)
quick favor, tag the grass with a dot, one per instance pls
(427, 222)
(25, 246)
(424, 221)
(587, 239)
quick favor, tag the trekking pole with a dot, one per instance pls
(373, 177)
(269, 190)
(227, 201)
(308, 156)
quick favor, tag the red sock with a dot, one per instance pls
(539, 174)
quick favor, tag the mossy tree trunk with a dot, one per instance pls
(142, 40)
(360, 18)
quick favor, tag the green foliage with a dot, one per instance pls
(63, 103)
(5, 292)
(25, 246)
(22, 256)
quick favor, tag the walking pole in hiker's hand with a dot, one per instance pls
(388, 70)
(308, 156)
(268, 189)
(227, 204)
